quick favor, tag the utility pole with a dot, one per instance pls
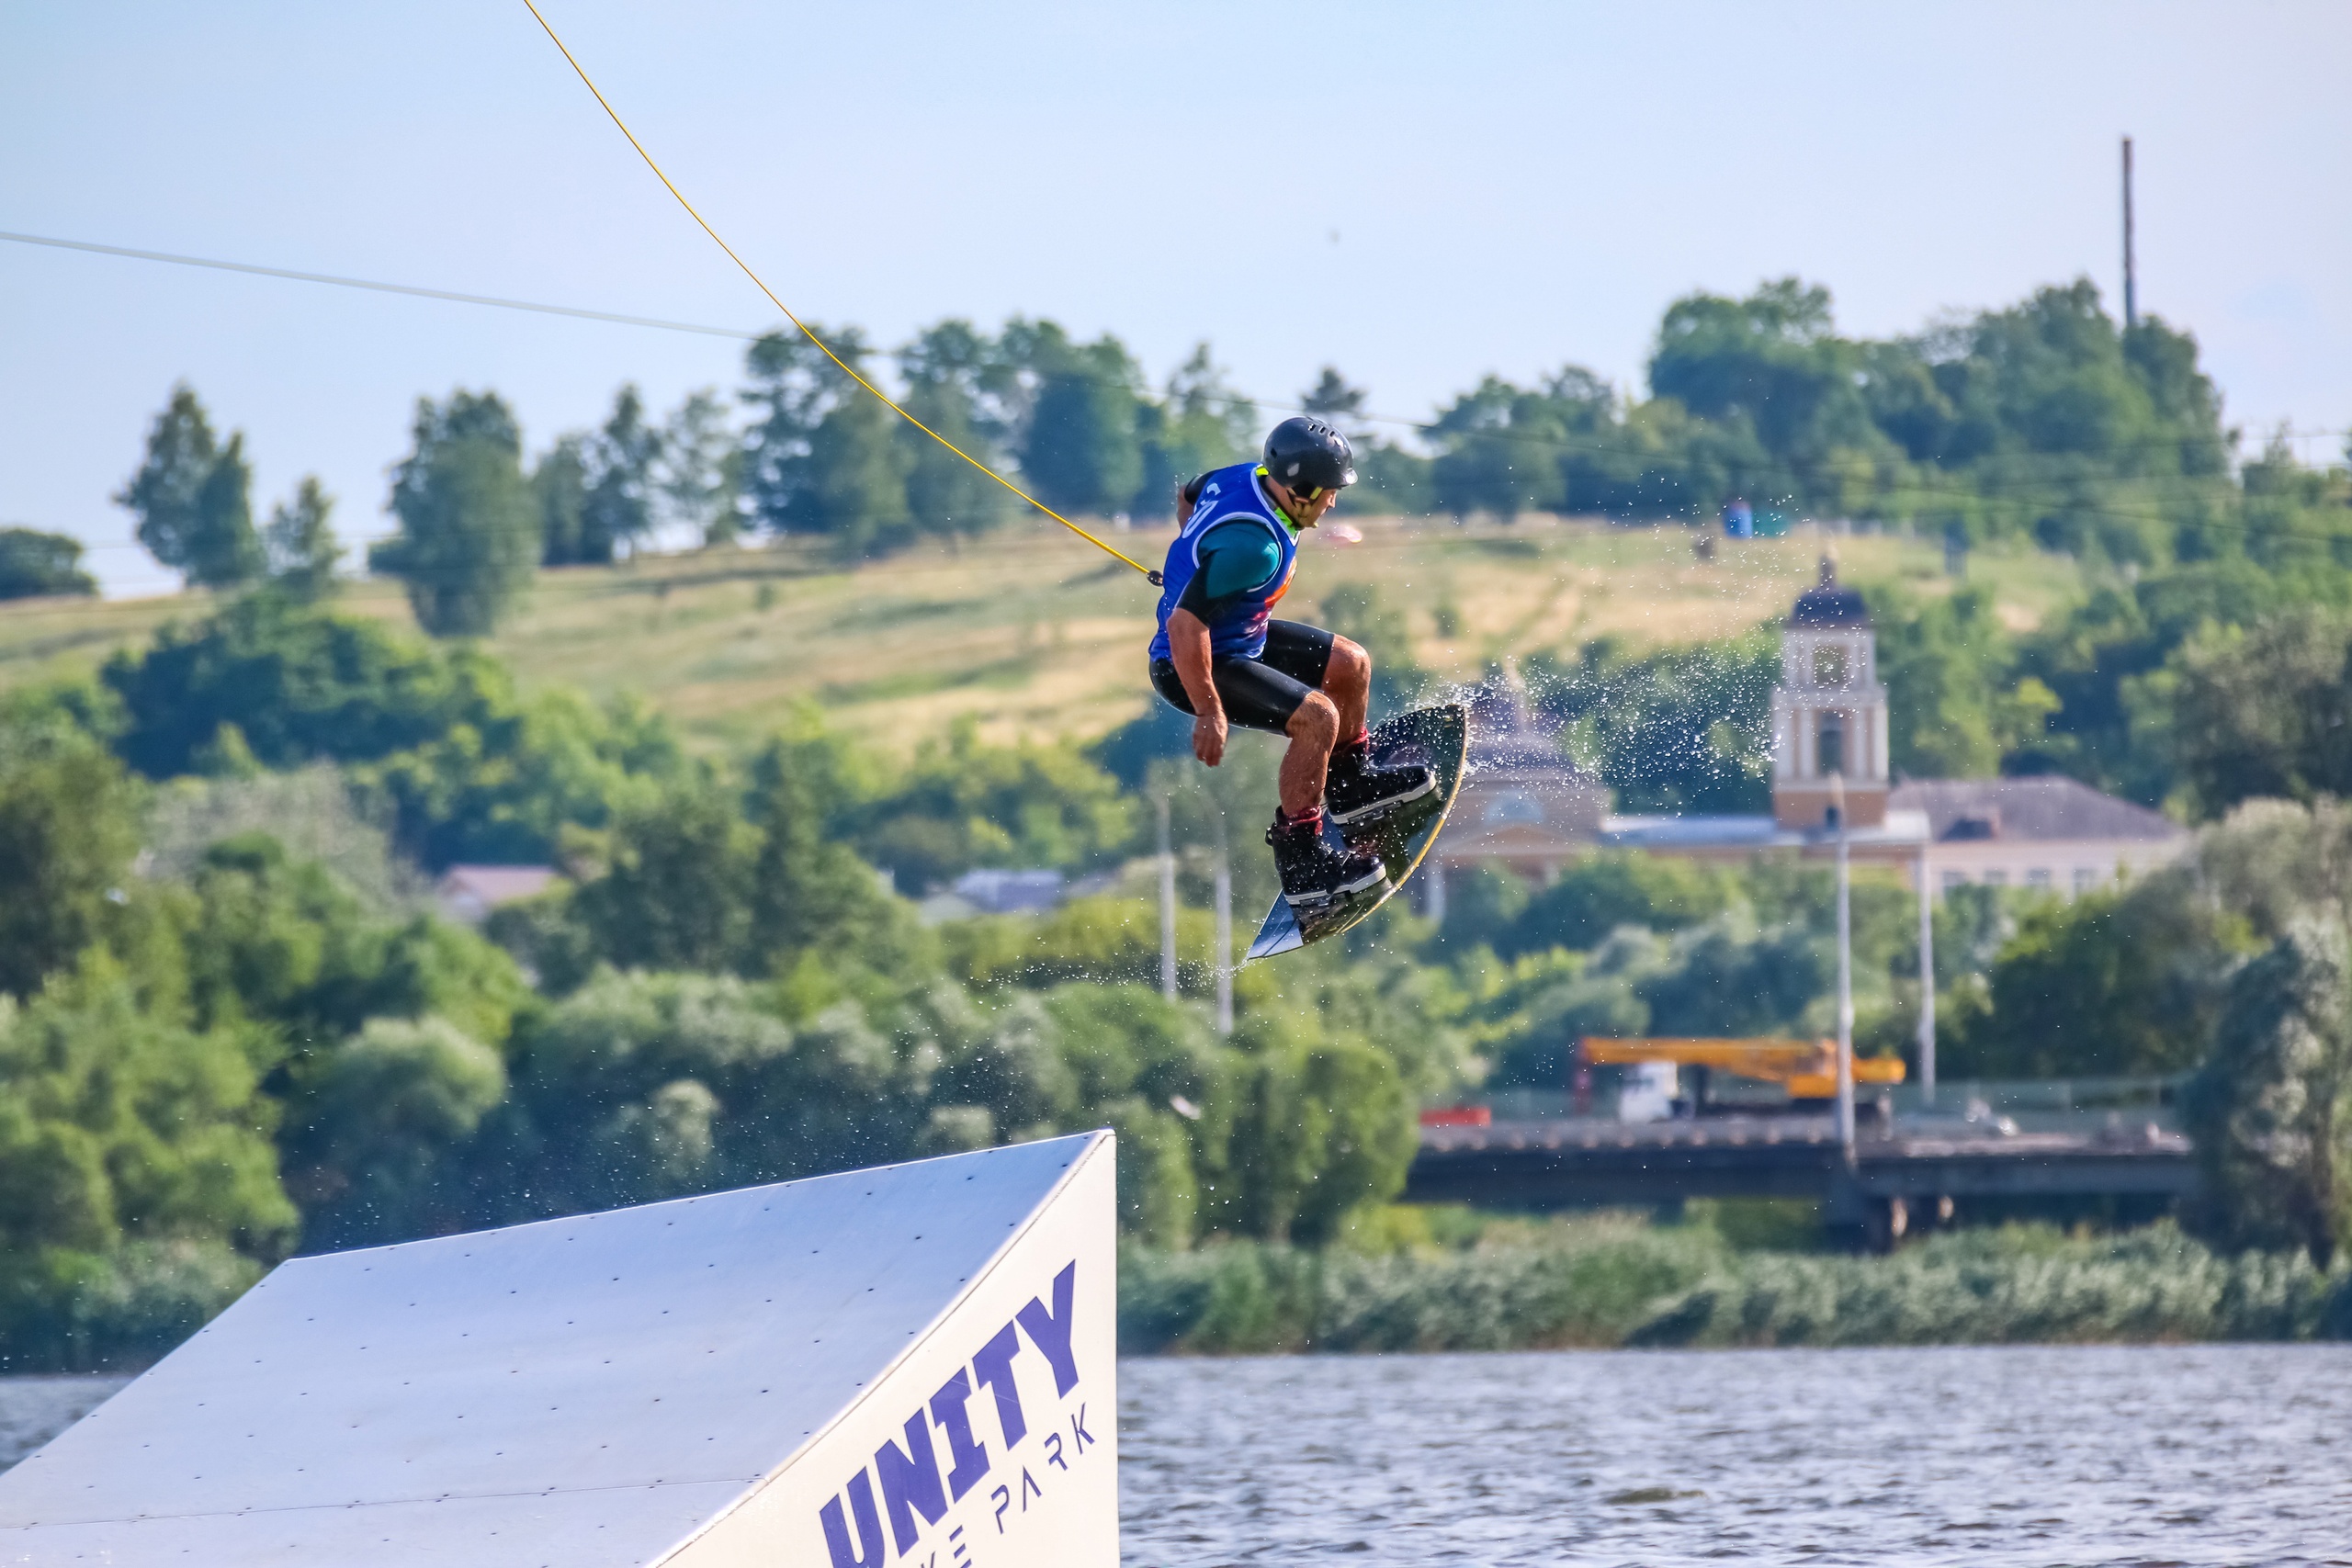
(1224, 931)
(1927, 985)
(1845, 979)
(1167, 907)
(2130, 270)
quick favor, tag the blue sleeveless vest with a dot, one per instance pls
(1227, 495)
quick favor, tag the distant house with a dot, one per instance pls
(2048, 832)
(469, 893)
(994, 892)
(1009, 892)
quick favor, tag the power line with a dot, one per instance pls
(381, 287)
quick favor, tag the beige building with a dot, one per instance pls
(1527, 806)
(2048, 832)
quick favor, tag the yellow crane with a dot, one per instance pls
(1808, 1068)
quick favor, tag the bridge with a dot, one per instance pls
(1903, 1167)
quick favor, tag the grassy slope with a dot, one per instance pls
(1035, 635)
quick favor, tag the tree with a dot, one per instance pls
(1080, 449)
(2110, 728)
(69, 826)
(855, 478)
(2121, 981)
(469, 535)
(824, 456)
(965, 805)
(33, 564)
(2270, 1111)
(461, 766)
(616, 508)
(1957, 705)
(1318, 1132)
(1201, 423)
(376, 1153)
(699, 475)
(282, 942)
(560, 494)
(641, 1086)
(807, 893)
(675, 892)
(299, 683)
(943, 368)
(1497, 452)
(1610, 888)
(192, 498)
(300, 545)
(1332, 399)
(1773, 359)
(1725, 977)
(2257, 711)
(120, 1124)
(2275, 864)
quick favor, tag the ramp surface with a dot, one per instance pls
(701, 1382)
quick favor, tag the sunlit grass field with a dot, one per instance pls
(1034, 634)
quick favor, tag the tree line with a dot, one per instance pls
(2044, 419)
(232, 1022)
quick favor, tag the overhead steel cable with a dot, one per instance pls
(375, 285)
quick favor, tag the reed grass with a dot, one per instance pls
(1604, 1284)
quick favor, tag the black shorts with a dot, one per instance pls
(1260, 692)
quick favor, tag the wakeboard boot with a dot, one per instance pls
(1362, 793)
(1315, 874)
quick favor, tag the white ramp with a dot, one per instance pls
(912, 1364)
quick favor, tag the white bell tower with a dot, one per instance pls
(1829, 711)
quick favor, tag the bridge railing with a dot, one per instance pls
(1994, 1106)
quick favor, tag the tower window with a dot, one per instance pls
(1832, 749)
(1829, 665)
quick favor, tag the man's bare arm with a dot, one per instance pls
(1188, 645)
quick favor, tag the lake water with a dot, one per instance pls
(2169, 1455)
(2194, 1454)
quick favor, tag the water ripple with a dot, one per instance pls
(2045, 1457)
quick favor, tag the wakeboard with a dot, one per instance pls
(1437, 738)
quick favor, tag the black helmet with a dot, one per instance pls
(1304, 454)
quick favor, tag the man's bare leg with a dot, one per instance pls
(1313, 730)
(1347, 679)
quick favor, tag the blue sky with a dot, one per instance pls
(1417, 193)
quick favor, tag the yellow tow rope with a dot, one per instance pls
(845, 368)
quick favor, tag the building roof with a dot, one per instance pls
(1668, 834)
(2040, 809)
(495, 884)
(1829, 604)
(1010, 892)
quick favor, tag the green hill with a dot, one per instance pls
(1034, 635)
